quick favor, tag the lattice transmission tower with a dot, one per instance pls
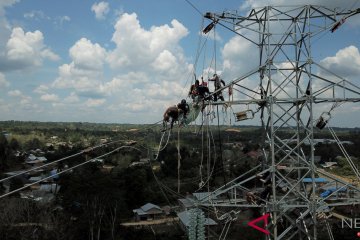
(291, 87)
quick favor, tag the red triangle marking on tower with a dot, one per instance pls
(265, 219)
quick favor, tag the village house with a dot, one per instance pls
(148, 211)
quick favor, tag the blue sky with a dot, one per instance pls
(125, 61)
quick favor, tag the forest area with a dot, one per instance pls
(93, 200)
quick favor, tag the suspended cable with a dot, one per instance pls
(220, 143)
(346, 155)
(66, 170)
(193, 6)
(87, 150)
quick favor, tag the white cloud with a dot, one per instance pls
(15, 93)
(239, 58)
(42, 89)
(37, 15)
(5, 28)
(346, 62)
(95, 102)
(27, 49)
(63, 19)
(49, 98)
(6, 3)
(87, 56)
(165, 61)
(85, 70)
(149, 63)
(100, 9)
(72, 98)
(3, 82)
(138, 48)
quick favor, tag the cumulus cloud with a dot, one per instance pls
(147, 64)
(239, 58)
(27, 49)
(42, 89)
(3, 82)
(72, 98)
(346, 62)
(15, 93)
(87, 56)
(6, 3)
(5, 27)
(84, 71)
(49, 98)
(95, 102)
(137, 47)
(100, 9)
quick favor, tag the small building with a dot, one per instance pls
(49, 188)
(329, 164)
(32, 159)
(186, 204)
(54, 174)
(35, 179)
(147, 212)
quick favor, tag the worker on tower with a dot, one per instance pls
(194, 90)
(203, 89)
(184, 107)
(217, 84)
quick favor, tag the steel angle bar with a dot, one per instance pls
(233, 183)
(322, 100)
(251, 97)
(293, 187)
(257, 69)
(294, 224)
(294, 148)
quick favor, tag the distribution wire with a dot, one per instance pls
(66, 170)
(87, 150)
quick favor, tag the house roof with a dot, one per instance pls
(329, 164)
(186, 202)
(49, 188)
(149, 206)
(143, 210)
(53, 174)
(31, 157)
(185, 219)
(139, 211)
(35, 179)
(42, 159)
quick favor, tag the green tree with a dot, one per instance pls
(4, 153)
(34, 143)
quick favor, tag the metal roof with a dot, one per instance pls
(149, 206)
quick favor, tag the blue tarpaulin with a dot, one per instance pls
(317, 180)
(329, 191)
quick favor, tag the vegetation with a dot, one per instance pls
(92, 202)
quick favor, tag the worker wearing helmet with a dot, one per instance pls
(184, 107)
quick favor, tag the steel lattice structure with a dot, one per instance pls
(291, 86)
